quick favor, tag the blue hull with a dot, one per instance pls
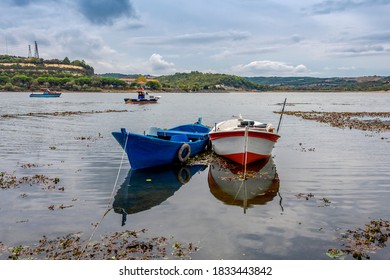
(45, 95)
(164, 146)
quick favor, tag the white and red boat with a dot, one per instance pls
(242, 140)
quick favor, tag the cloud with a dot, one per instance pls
(242, 52)
(21, 2)
(159, 65)
(361, 50)
(267, 46)
(212, 37)
(329, 6)
(267, 67)
(82, 43)
(375, 37)
(346, 68)
(119, 35)
(104, 12)
(192, 38)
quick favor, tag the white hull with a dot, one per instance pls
(243, 144)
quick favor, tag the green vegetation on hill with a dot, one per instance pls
(21, 74)
(39, 65)
(370, 83)
(197, 81)
(120, 76)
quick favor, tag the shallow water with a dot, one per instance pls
(331, 179)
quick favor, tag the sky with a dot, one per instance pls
(318, 38)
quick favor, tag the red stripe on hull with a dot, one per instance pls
(240, 157)
(241, 133)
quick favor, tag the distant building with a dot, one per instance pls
(128, 80)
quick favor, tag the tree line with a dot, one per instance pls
(60, 81)
(23, 74)
(196, 81)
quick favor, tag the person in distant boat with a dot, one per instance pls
(141, 94)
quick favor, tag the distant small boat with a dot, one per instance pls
(143, 98)
(46, 93)
(243, 141)
(163, 146)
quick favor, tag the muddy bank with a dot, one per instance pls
(66, 113)
(122, 245)
(367, 121)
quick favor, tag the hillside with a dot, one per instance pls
(197, 81)
(33, 65)
(22, 74)
(367, 83)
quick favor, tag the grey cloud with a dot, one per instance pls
(193, 38)
(296, 38)
(360, 51)
(242, 52)
(327, 7)
(20, 2)
(330, 6)
(80, 43)
(212, 37)
(106, 11)
(376, 37)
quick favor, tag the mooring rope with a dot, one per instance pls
(244, 178)
(109, 202)
(246, 150)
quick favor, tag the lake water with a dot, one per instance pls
(330, 180)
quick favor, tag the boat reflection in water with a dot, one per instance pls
(146, 188)
(228, 183)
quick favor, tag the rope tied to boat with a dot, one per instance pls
(109, 208)
(246, 135)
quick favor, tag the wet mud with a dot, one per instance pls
(60, 114)
(366, 121)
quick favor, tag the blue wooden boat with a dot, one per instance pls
(163, 146)
(46, 93)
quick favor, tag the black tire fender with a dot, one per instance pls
(184, 152)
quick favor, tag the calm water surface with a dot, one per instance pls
(344, 174)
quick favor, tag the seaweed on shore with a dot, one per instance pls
(122, 245)
(363, 241)
(65, 113)
(366, 121)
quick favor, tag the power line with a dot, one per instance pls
(18, 50)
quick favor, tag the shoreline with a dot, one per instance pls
(208, 91)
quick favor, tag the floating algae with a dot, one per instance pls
(361, 242)
(122, 245)
(60, 114)
(367, 121)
